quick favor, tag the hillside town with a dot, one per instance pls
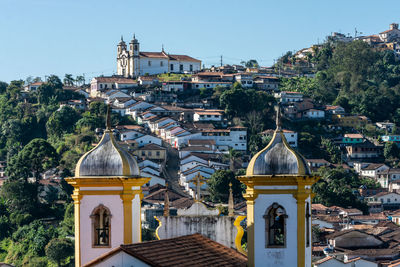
(194, 150)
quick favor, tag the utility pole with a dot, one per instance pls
(221, 60)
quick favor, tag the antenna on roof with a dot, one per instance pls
(122, 38)
(108, 118)
(162, 47)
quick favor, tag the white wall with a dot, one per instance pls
(217, 228)
(155, 67)
(88, 204)
(130, 135)
(148, 139)
(121, 259)
(271, 257)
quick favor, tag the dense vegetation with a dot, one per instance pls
(39, 136)
(357, 77)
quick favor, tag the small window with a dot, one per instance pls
(143, 153)
(181, 67)
(101, 223)
(101, 86)
(149, 63)
(191, 67)
(172, 67)
(161, 63)
(158, 153)
(149, 153)
(275, 226)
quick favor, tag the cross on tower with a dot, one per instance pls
(198, 182)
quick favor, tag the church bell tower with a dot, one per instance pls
(278, 193)
(107, 199)
(122, 58)
(134, 50)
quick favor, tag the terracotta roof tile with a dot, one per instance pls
(191, 250)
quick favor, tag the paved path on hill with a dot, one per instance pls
(171, 169)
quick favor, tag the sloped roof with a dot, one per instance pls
(191, 250)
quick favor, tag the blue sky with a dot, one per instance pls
(41, 37)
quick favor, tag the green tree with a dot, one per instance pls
(20, 198)
(391, 151)
(331, 150)
(37, 156)
(336, 187)
(80, 79)
(62, 121)
(59, 250)
(218, 186)
(3, 87)
(69, 79)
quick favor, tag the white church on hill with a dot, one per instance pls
(133, 63)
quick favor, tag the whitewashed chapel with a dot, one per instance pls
(133, 63)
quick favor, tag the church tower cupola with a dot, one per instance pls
(134, 46)
(107, 199)
(278, 194)
(134, 54)
(121, 45)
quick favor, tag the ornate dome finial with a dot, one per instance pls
(108, 118)
(107, 158)
(278, 117)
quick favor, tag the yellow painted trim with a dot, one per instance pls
(272, 180)
(127, 207)
(240, 233)
(301, 245)
(100, 192)
(77, 210)
(158, 227)
(250, 233)
(102, 181)
(301, 193)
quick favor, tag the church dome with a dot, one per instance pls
(278, 158)
(107, 158)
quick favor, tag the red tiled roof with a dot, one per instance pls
(167, 56)
(354, 135)
(183, 58)
(191, 250)
(200, 142)
(114, 80)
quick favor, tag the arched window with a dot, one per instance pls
(101, 223)
(275, 226)
(308, 218)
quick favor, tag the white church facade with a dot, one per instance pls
(133, 63)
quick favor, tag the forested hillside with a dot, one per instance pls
(359, 78)
(38, 135)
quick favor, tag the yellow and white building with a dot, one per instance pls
(278, 196)
(107, 199)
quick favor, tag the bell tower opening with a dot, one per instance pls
(275, 226)
(101, 224)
